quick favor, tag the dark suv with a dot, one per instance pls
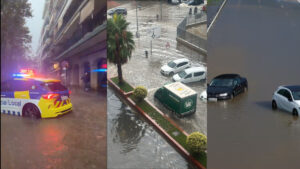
(119, 11)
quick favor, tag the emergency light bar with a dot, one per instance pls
(99, 70)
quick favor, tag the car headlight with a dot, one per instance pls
(223, 94)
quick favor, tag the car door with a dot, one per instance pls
(287, 104)
(283, 99)
(188, 78)
(199, 76)
(180, 67)
(238, 85)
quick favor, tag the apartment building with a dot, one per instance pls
(73, 41)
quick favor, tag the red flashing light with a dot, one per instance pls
(70, 92)
(50, 96)
(29, 72)
(104, 66)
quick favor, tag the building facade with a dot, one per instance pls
(73, 41)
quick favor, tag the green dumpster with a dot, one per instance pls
(177, 97)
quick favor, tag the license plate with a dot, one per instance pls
(64, 97)
(212, 99)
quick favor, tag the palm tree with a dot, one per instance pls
(120, 42)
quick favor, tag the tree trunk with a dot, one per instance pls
(119, 65)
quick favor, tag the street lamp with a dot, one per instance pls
(137, 24)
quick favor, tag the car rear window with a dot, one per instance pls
(54, 86)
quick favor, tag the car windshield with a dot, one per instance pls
(172, 64)
(296, 95)
(182, 74)
(54, 86)
(222, 83)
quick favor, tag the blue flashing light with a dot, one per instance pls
(104, 85)
(20, 75)
(99, 70)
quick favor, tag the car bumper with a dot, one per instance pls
(57, 111)
(216, 98)
(164, 73)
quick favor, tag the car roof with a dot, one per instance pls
(227, 76)
(293, 88)
(194, 69)
(180, 60)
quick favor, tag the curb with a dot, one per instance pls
(173, 142)
(199, 49)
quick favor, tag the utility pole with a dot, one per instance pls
(137, 24)
(160, 9)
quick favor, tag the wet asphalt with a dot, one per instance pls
(146, 71)
(260, 41)
(133, 143)
(75, 140)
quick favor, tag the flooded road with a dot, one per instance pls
(76, 140)
(259, 40)
(133, 143)
(146, 71)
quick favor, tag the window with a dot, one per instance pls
(188, 76)
(22, 85)
(281, 92)
(182, 64)
(198, 74)
(54, 86)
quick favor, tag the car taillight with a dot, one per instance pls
(50, 96)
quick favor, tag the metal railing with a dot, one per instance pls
(189, 37)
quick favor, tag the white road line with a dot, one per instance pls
(216, 15)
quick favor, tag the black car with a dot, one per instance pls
(196, 2)
(119, 11)
(226, 86)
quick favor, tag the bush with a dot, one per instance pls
(140, 93)
(196, 142)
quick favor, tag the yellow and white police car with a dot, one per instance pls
(26, 95)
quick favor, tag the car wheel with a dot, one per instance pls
(231, 96)
(295, 112)
(245, 88)
(31, 111)
(171, 73)
(274, 105)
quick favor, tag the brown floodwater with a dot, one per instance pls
(259, 40)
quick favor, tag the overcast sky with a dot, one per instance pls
(35, 23)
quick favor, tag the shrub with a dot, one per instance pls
(196, 142)
(140, 93)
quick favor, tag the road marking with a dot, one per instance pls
(216, 15)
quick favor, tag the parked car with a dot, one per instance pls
(122, 11)
(177, 97)
(287, 98)
(196, 2)
(175, 66)
(192, 74)
(226, 86)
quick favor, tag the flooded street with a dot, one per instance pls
(260, 41)
(133, 143)
(146, 71)
(75, 140)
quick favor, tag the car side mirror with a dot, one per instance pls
(290, 99)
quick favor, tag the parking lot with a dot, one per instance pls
(146, 71)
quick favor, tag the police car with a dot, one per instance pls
(25, 95)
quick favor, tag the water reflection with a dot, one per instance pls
(127, 129)
(133, 143)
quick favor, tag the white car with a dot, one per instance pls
(175, 66)
(287, 98)
(193, 74)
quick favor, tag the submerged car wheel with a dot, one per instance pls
(274, 105)
(171, 73)
(245, 89)
(295, 112)
(231, 96)
(30, 110)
